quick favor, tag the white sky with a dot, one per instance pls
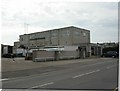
(101, 18)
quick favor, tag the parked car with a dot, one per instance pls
(113, 54)
(9, 55)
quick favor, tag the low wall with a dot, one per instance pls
(68, 54)
(54, 55)
(43, 55)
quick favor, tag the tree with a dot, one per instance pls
(22, 46)
(115, 48)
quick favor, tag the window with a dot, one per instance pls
(84, 34)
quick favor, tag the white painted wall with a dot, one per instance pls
(70, 48)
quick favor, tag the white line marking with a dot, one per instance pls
(106, 58)
(4, 79)
(91, 72)
(43, 85)
(86, 73)
(99, 63)
(95, 64)
(46, 84)
(78, 76)
(110, 66)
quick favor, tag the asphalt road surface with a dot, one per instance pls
(98, 74)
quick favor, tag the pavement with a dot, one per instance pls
(92, 74)
(22, 67)
(21, 64)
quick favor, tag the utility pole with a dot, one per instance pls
(26, 27)
(26, 32)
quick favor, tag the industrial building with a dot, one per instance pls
(69, 38)
(62, 36)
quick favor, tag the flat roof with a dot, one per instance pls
(57, 29)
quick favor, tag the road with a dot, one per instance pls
(99, 74)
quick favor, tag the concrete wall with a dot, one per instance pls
(54, 55)
(68, 54)
(70, 48)
(80, 36)
(43, 55)
(63, 36)
(16, 46)
(24, 40)
(67, 36)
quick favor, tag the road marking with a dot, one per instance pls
(96, 64)
(19, 78)
(92, 72)
(86, 73)
(43, 85)
(4, 79)
(99, 63)
(106, 58)
(110, 66)
(85, 61)
(46, 84)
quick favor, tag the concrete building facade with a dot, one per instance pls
(67, 36)
(62, 36)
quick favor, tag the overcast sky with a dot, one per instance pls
(101, 18)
